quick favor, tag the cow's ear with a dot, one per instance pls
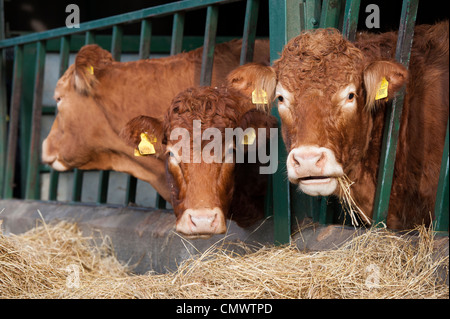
(256, 119)
(146, 135)
(90, 61)
(256, 81)
(382, 79)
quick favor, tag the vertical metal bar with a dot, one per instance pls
(292, 14)
(89, 38)
(177, 33)
(77, 185)
(144, 53)
(441, 207)
(351, 19)
(2, 20)
(280, 190)
(63, 64)
(145, 39)
(32, 183)
(248, 38)
(310, 14)
(160, 202)
(116, 44)
(330, 14)
(393, 115)
(212, 16)
(13, 123)
(103, 181)
(3, 102)
(3, 120)
(116, 52)
(130, 195)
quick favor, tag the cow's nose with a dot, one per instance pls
(201, 222)
(307, 157)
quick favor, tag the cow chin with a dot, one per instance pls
(201, 222)
(322, 187)
(59, 166)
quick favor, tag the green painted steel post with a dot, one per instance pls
(145, 39)
(249, 35)
(331, 10)
(212, 16)
(177, 33)
(441, 209)
(116, 43)
(144, 53)
(393, 115)
(32, 190)
(3, 118)
(103, 183)
(63, 64)
(310, 14)
(350, 24)
(3, 103)
(8, 188)
(89, 37)
(116, 52)
(130, 194)
(77, 188)
(284, 23)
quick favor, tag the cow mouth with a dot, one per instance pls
(315, 179)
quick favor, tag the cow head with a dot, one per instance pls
(200, 177)
(328, 92)
(78, 120)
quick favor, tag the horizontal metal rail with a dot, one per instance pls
(30, 125)
(135, 16)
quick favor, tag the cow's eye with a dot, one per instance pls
(280, 98)
(171, 154)
(351, 96)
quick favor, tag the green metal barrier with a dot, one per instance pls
(287, 19)
(36, 46)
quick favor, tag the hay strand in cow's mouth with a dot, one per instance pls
(348, 203)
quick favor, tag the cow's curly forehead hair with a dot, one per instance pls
(214, 107)
(320, 58)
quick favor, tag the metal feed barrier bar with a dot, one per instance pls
(286, 19)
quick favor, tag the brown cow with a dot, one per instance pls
(332, 106)
(206, 192)
(97, 96)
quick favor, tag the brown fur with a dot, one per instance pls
(315, 65)
(238, 189)
(94, 107)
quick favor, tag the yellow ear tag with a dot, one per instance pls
(137, 153)
(90, 69)
(249, 138)
(259, 97)
(382, 90)
(145, 146)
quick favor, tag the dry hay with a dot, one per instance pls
(348, 203)
(377, 264)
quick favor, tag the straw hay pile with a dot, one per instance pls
(42, 263)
